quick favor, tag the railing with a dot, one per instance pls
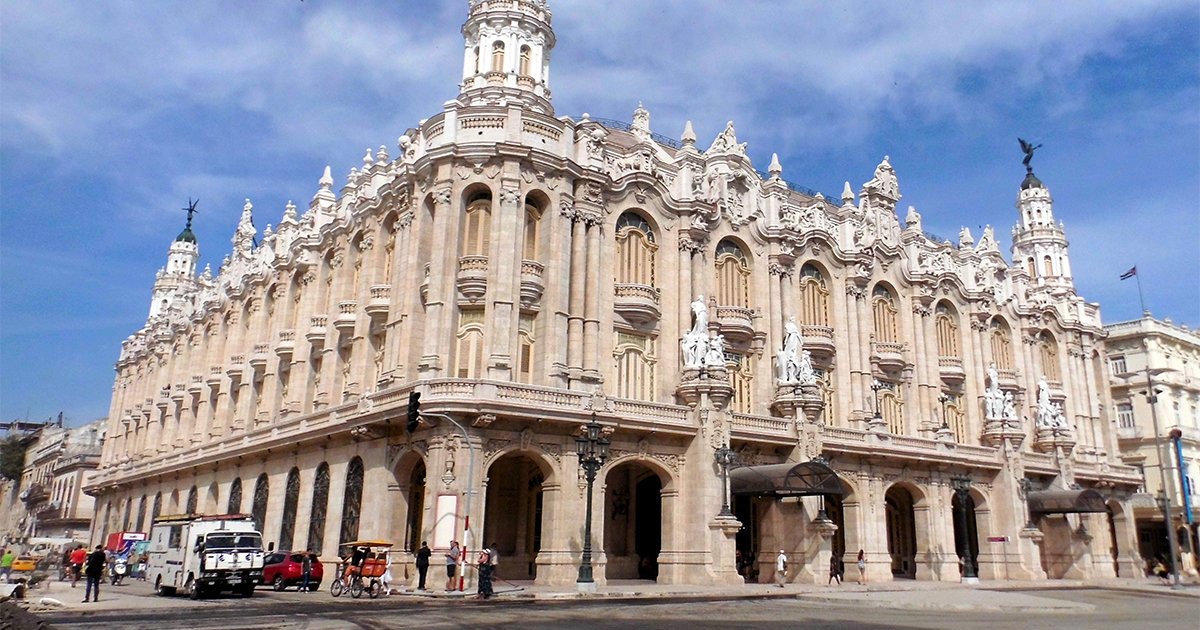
(481, 122)
(381, 292)
(556, 398)
(347, 307)
(803, 190)
(735, 312)
(766, 424)
(319, 321)
(624, 126)
(844, 434)
(532, 268)
(541, 129)
(674, 414)
(950, 362)
(637, 291)
(811, 330)
(473, 263)
(495, 77)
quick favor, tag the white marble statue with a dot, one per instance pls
(805, 374)
(694, 348)
(700, 311)
(1010, 407)
(715, 357)
(993, 397)
(789, 357)
(1049, 414)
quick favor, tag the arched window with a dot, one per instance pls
(291, 497)
(532, 216)
(733, 275)
(498, 57)
(883, 308)
(235, 497)
(320, 504)
(141, 520)
(1048, 354)
(525, 341)
(352, 502)
(826, 381)
(477, 227)
(192, 499)
(814, 297)
(635, 250)
(956, 418)
(1032, 267)
(157, 509)
(1048, 266)
(741, 376)
(526, 56)
(470, 343)
(126, 524)
(476, 60)
(258, 507)
(892, 407)
(634, 354)
(1001, 341)
(173, 504)
(946, 321)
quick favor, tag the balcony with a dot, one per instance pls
(637, 303)
(888, 354)
(735, 322)
(196, 385)
(317, 331)
(347, 316)
(380, 300)
(215, 376)
(818, 340)
(951, 369)
(34, 494)
(164, 397)
(532, 285)
(287, 343)
(237, 366)
(495, 77)
(178, 392)
(472, 276)
(258, 360)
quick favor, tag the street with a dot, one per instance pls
(1082, 608)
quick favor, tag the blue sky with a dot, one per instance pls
(113, 114)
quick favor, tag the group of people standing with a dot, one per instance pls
(485, 564)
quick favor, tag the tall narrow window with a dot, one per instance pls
(741, 376)
(526, 55)
(1001, 341)
(1031, 267)
(1125, 418)
(498, 57)
(733, 275)
(826, 382)
(235, 497)
(814, 297)
(258, 507)
(947, 331)
(892, 407)
(192, 499)
(634, 354)
(291, 497)
(1048, 266)
(476, 60)
(956, 419)
(470, 344)
(525, 348)
(883, 309)
(635, 250)
(352, 502)
(1048, 354)
(529, 251)
(320, 504)
(157, 509)
(126, 524)
(141, 521)
(478, 227)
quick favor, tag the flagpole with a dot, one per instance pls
(1141, 302)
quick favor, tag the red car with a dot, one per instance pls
(282, 569)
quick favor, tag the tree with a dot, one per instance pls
(12, 458)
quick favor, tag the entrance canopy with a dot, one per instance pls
(1065, 502)
(786, 480)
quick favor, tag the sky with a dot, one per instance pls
(113, 114)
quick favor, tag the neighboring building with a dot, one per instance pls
(57, 465)
(527, 273)
(1172, 354)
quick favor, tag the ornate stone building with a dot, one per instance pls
(527, 272)
(1171, 354)
(53, 505)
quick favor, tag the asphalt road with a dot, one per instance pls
(292, 611)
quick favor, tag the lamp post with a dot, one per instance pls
(724, 457)
(1168, 489)
(944, 398)
(875, 387)
(592, 451)
(962, 492)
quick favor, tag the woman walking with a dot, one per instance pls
(862, 567)
(835, 569)
(485, 575)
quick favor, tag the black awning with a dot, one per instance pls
(1066, 502)
(786, 480)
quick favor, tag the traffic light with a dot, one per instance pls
(414, 411)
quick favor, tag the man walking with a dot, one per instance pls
(780, 569)
(94, 571)
(78, 557)
(306, 570)
(423, 555)
(6, 560)
(451, 564)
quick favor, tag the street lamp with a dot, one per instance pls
(724, 457)
(1168, 489)
(944, 398)
(962, 492)
(592, 451)
(875, 387)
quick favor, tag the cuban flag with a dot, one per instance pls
(1129, 274)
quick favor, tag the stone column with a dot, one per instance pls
(504, 271)
(594, 285)
(854, 353)
(576, 302)
(442, 272)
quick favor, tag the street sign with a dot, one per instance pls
(997, 538)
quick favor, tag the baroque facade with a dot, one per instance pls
(53, 505)
(527, 272)
(1170, 355)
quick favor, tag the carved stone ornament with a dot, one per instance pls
(510, 196)
(566, 206)
(442, 195)
(484, 420)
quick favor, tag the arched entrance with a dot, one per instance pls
(513, 514)
(632, 522)
(901, 532)
(408, 517)
(966, 532)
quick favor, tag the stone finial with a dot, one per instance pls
(325, 194)
(368, 161)
(289, 212)
(641, 122)
(847, 194)
(326, 181)
(912, 220)
(964, 237)
(689, 136)
(775, 169)
(381, 156)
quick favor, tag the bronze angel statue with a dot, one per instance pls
(1028, 148)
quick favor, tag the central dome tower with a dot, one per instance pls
(507, 54)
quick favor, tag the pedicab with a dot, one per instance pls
(363, 569)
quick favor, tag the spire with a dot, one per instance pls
(507, 53)
(243, 239)
(1039, 242)
(186, 235)
(775, 168)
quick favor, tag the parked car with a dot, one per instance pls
(282, 569)
(24, 563)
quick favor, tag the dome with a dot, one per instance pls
(1031, 181)
(186, 236)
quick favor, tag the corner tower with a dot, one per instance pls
(1039, 243)
(507, 54)
(179, 276)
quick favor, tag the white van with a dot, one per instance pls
(198, 555)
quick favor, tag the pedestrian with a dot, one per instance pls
(94, 571)
(306, 564)
(494, 556)
(65, 569)
(143, 564)
(78, 557)
(484, 565)
(834, 569)
(1163, 573)
(385, 579)
(423, 555)
(862, 567)
(451, 564)
(780, 569)
(6, 560)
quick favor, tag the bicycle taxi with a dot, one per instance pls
(362, 571)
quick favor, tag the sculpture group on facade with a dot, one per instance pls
(998, 404)
(701, 350)
(793, 361)
(1049, 414)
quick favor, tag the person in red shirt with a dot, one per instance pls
(78, 557)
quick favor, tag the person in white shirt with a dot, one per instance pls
(780, 569)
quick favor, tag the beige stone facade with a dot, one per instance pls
(526, 273)
(1171, 354)
(49, 502)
